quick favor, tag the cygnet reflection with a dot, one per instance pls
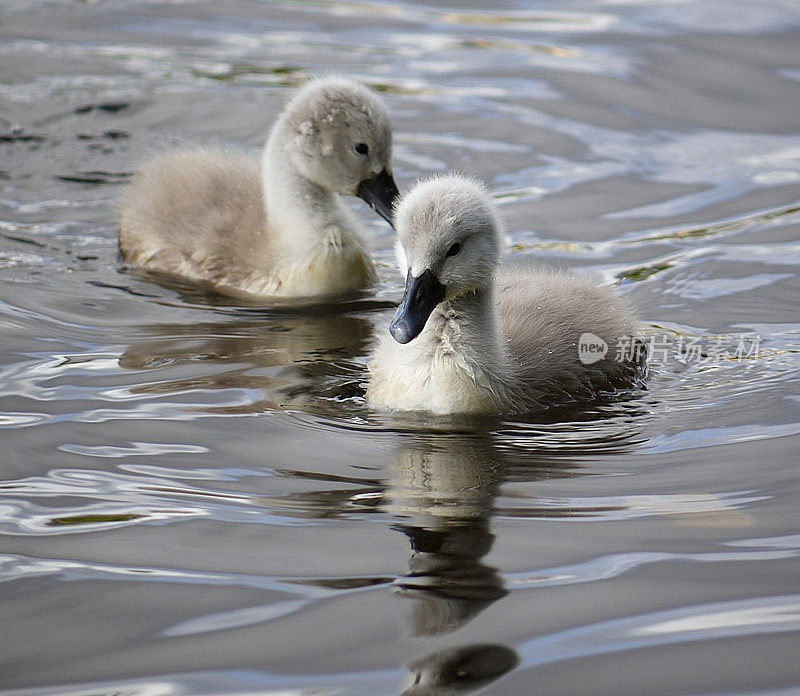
(459, 670)
(283, 361)
(442, 487)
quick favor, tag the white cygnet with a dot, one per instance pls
(470, 337)
(212, 216)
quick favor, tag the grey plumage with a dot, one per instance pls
(503, 338)
(272, 229)
(543, 313)
(198, 214)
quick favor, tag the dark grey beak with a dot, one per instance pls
(419, 300)
(379, 193)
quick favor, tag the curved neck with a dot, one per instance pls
(300, 213)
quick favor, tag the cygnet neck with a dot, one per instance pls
(300, 213)
(467, 325)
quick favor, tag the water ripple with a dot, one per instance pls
(136, 449)
(125, 499)
(743, 617)
(608, 567)
(16, 567)
(615, 508)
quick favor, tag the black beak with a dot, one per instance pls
(379, 193)
(419, 300)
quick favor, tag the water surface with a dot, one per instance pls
(195, 498)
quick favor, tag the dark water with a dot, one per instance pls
(194, 497)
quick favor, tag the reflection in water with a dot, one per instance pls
(443, 489)
(459, 670)
(284, 361)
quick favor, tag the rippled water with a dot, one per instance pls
(194, 497)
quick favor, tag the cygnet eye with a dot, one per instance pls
(453, 250)
(361, 148)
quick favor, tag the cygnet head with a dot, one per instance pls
(449, 245)
(340, 139)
